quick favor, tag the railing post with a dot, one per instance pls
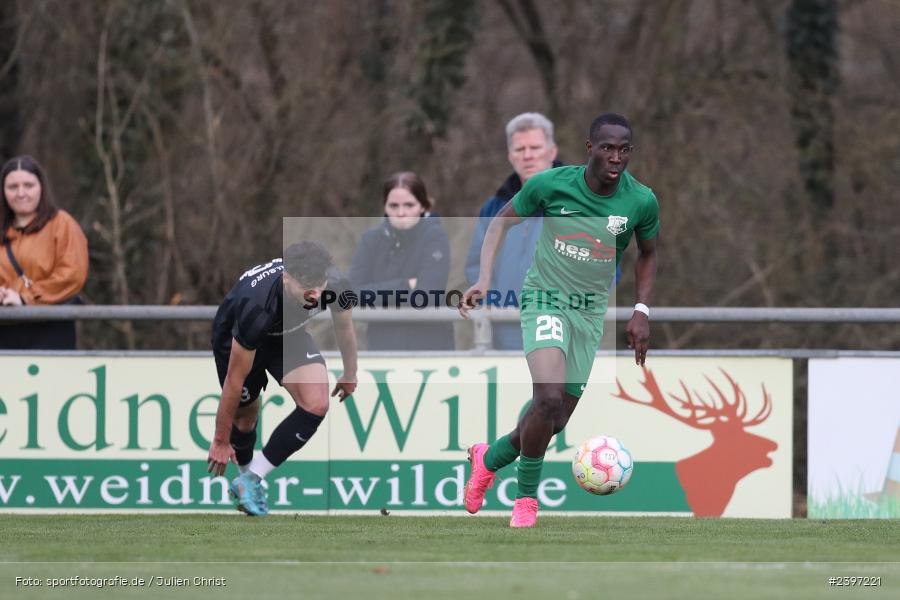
(481, 321)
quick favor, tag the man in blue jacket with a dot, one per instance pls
(532, 149)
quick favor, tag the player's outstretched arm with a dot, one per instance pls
(346, 341)
(638, 328)
(493, 239)
(220, 451)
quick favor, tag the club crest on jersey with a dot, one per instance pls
(616, 225)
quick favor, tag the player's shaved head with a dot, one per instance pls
(607, 119)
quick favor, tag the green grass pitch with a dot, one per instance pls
(392, 557)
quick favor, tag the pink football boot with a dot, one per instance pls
(480, 479)
(524, 513)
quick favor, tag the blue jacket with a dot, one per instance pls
(512, 261)
(517, 251)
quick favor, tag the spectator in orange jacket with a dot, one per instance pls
(44, 259)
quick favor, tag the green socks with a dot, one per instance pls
(500, 454)
(529, 476)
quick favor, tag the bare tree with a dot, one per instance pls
(811, 46)
(208, 123)
(526, 20)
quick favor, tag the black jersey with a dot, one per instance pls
(256, 312)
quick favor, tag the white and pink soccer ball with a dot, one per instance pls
(602, 465)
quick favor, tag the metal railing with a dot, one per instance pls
(481, 319)
(149, 312)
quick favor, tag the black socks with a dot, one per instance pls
(243, 442)
(290, 435)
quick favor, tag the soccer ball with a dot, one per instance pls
(602, 465)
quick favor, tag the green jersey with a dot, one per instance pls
(583, 236)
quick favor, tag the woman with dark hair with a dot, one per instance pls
(407, 255)
(44, 259)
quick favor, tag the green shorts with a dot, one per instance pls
(575, 332)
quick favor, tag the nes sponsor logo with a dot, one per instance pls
(583, 247)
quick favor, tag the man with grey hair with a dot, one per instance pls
(531, 149)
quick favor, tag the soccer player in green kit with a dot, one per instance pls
(590, 213)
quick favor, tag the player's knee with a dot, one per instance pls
(317, 406)
(312, 401)
(549, 403)
(245, 423)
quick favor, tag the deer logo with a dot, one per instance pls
(710, 476)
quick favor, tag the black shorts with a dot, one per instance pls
(279, 355)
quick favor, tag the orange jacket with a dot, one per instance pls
(55, 259)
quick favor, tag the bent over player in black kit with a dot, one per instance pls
(256, 330)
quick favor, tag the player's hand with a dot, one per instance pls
(220, 454)
(638, 334)
(346, 385)
(470, 296)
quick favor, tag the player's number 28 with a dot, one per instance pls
(549, 327)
